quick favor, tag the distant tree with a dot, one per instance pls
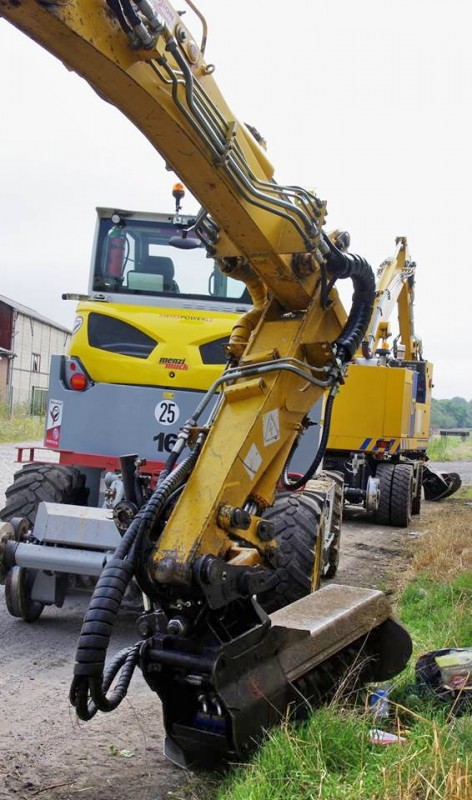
(439, 416)
(455, 413)
(458, 407)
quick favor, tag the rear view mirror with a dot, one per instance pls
(184, 242)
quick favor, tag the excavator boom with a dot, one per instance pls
(203, 549)
(381, 422)
(169, 92)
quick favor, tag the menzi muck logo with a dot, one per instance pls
(173, 363)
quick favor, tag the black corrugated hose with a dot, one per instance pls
(92, 677)
(341, 265)
(345, 265)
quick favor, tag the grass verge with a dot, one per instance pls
(450, 448)
(21, 427)
(332, 757)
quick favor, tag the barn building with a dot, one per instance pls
(27, 342)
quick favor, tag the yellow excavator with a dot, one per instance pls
(205, 549)
(380, 425)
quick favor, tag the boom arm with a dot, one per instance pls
(169, 93)
(396, 282)
(200, 548)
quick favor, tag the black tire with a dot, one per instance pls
(296, 517)
(49, 482)
(384, 473)
(402, 496)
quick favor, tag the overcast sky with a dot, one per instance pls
(367, 101)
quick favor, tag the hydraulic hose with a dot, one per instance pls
(92, 678)
(345, 265)
(287, 483)
(125, 14)
(341, 265)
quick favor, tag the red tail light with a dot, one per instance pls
(75, 375)
(78, 381)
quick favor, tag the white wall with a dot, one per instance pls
(32, 336)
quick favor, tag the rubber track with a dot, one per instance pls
(296, 518)
(49, 482)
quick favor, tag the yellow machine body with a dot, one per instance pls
(377, 410)
(385, 406)
(380, 425)
(175, 362)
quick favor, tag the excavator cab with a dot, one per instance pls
(155, 254)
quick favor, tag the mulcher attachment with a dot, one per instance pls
(438, 485)
(218, 700)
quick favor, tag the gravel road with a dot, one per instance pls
(463, 468)
(45, 752)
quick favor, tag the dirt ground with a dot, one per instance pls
(46, 752)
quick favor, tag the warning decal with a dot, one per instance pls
(271, 427)
(166, 11)
(53, 423)
(252, 461)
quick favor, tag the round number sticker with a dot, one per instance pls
(167, 412)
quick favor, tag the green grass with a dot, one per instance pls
(433, 611)
(20, 427)
(331, 757)
(464, 493)
(450, 448)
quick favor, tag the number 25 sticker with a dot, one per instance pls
(167, 412)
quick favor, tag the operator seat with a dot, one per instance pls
(154, 273)
(160, 265)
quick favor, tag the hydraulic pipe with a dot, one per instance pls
(57, 559)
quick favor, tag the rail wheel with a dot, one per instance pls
(18, 584)
(298, 519)
(384, 473)
(402, 495)
(332, 539)
(331, 567)
(416, 501)
(49, 482)
(416, 505)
